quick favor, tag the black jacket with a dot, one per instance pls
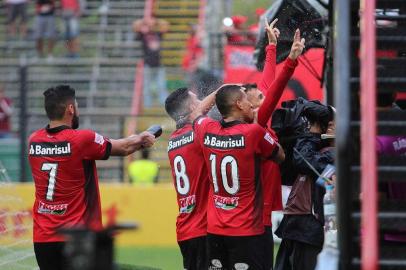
(308, 228)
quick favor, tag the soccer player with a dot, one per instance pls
(62, 163)
(190, 176)
(233, 149)
(272, 90)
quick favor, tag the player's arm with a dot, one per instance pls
(267, 147)
(132, 143)
(268, 74)
(205, 105)
(276, 90)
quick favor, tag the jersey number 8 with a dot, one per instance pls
(179, 168)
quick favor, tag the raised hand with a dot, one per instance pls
(272, 32)
(297, 46)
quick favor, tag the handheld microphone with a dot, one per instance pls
(155, 130)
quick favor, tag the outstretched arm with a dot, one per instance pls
(268, 74)
(274, 93)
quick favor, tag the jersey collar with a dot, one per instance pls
(56, 129)
(225, 124)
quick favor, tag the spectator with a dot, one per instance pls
(45, 26)
(150, 31)
(16, 9)
(5, 114)
(194, 50)
(235, 32)
(71, 11)
(143, 171)
(254, 28)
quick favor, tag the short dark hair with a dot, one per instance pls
(175, 103)
(56, 100)
(249, 86)
(226, 97)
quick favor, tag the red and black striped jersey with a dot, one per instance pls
(233, 152)
(191, 181)
(66, 185)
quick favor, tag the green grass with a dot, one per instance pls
(168, 258)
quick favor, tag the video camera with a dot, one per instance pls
(293, 120)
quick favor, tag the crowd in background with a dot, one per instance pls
(44, 28)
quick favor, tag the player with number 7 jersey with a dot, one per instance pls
(62, 161)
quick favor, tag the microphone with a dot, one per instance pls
(155, 130)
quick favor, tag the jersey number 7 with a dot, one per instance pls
(51, 168)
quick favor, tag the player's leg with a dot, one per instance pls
(246, 252)
(194, 253)
(49, 255)
(304, 256)
(283, 258)
(268, 238)
(217, 252)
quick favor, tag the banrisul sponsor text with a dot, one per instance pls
(180, 141)
(224, 142)
(50, 149)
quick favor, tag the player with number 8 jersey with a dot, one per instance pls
(190, 176)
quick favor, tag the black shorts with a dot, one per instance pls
(268, 259)
(194, 253)
(50, 255)
(236, 252)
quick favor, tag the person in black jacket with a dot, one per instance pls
(301, 229)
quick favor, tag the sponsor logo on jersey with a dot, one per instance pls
(225, 203)
(187, 204)
(99, 139)
(216, 265)
(52, 209)
(269, 138)
(241, 266)
(181, 141)
(49, 149)
(224, 142)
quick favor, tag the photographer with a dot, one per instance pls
(301, 229)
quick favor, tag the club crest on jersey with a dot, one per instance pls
(187, 204)
(180, 141)
(49, 149)
(225, 203)
(224, 142)
(56, 209)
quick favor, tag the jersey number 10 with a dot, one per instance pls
(183, 183)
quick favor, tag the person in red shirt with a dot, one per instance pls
(5, 114)
(62, 161)
(266, 100)
(190, 176)
(233, 150)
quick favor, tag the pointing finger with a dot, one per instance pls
(297, 35)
